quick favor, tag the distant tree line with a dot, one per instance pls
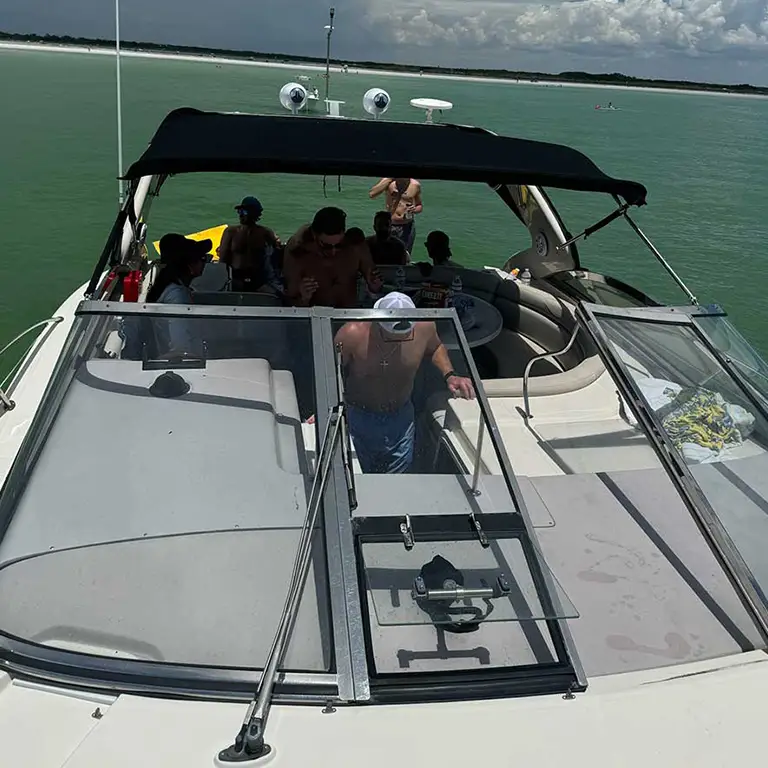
(615, 78)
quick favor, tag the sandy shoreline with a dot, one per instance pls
(351, 71)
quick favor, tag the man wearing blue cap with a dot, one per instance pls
(248, 250)
(380, 361)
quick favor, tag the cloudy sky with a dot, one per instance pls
(705, 40)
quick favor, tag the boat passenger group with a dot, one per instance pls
(320, 265)
(326, 264)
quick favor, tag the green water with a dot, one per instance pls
(702, 157)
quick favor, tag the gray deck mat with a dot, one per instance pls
(738, 492)
(213, 599)
(648, 589)
(384, 495)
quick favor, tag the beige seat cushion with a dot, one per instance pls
(584, 374)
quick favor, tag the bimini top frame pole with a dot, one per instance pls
(623, 211)
(120, 181)
(664, 263)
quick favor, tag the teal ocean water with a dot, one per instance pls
(703, 158)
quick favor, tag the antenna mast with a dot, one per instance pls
(329, 29)
(120, 184)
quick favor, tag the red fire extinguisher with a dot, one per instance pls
(132, 285)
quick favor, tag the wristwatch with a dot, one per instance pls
(448, 375)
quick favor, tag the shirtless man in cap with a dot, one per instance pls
(380, 361)
(403, 201)
(247, 249)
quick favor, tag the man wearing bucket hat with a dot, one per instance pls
(248, 249)
(381, 360)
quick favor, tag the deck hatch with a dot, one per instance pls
(447, 578)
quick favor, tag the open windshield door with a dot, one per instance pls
(698, 391)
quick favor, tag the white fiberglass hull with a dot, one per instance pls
(31, 382)
(705, 714)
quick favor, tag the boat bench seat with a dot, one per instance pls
(541, 320)
(557, 383)
(235, 441)
(576, 427)
(511, 351)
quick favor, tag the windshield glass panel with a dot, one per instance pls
(705, 413)
(716, 427)
(470, 566)
(738, 350)
(601, 505)
(162, 515)
(599, 289)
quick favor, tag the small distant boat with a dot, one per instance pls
(607, 107)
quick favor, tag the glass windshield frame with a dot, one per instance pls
(735, 350)
(120, 674)
(351, 679)
(427, 686)
(736, 568)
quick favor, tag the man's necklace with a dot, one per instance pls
(384, 362)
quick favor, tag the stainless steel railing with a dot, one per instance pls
(6, 404)
(542, 356)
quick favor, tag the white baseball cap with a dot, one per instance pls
(396, 300)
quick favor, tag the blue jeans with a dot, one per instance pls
(383, 441)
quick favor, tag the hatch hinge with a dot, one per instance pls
(407, 532)
(479, 530)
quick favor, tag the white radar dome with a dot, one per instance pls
(293, 96)
(376, 101)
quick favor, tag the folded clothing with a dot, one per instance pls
(702, 419)
(700, 423)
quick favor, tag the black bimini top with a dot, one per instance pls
(191, 141)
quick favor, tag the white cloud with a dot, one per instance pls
(711, 40)
(587, 26)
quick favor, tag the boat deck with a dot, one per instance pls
(136, 561)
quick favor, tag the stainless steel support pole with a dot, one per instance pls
(664, 263)
(478, 453)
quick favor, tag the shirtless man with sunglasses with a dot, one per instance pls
(321, 264)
